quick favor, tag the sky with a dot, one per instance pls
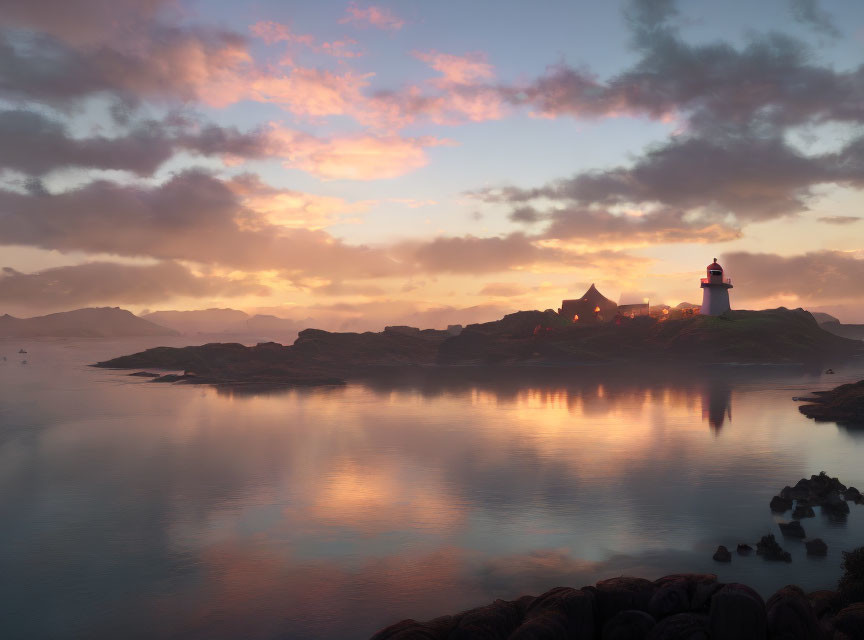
(409, 161)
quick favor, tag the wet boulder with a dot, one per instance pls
(816, 547)
(737, 613)
(565, 613)
(834, 504)
(792, 529)
(701, 600)
(495, 621)
(779, 504)
(682, 626)
(848, 624)
(769, 549)
(803, 511)
(790, 616)
(437, 629)
(620, 594)
(852, 494)
(744, 549)
(628, 625)
(671, 598)
(801, 490)
(851, 585)
(824, 483)
(825, 603)
(722, 554)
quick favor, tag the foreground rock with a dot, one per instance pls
(675, 607)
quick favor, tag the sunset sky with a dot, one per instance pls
(428, 162)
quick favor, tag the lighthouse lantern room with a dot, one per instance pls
(715, 291)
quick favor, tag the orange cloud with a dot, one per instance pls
(357, 157)
(503, 289)
(291, 209)
(379, 17)
(312, 92)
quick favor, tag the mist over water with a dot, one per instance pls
(140, 510)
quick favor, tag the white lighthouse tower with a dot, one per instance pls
(715, 291)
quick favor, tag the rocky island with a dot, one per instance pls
(522, 339)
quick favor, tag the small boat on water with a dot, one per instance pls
(21, 351)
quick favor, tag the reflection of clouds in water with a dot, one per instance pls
(321, 512)
(251, 592)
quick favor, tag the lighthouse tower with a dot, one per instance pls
(715, 291)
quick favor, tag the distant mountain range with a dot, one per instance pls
(224, 321)
(105, 322)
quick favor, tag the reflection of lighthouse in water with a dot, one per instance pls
(715, 291)
(717, 403)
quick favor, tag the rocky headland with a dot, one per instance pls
(522, 339)
(843, 404)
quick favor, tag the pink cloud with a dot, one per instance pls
(379, 17)
(274, 32)
(463, 70)
(290, 209)
(458, 95)
(356, 157)
(312, 92)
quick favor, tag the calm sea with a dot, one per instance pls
(137, 510)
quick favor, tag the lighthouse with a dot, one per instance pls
(715, 291)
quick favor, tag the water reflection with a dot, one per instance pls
(717, 403)
(139, 510)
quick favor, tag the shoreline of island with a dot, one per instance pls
(528, 340)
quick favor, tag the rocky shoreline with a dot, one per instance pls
(522, 339)
(841, 404)
(675, 607)
(682, 606)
